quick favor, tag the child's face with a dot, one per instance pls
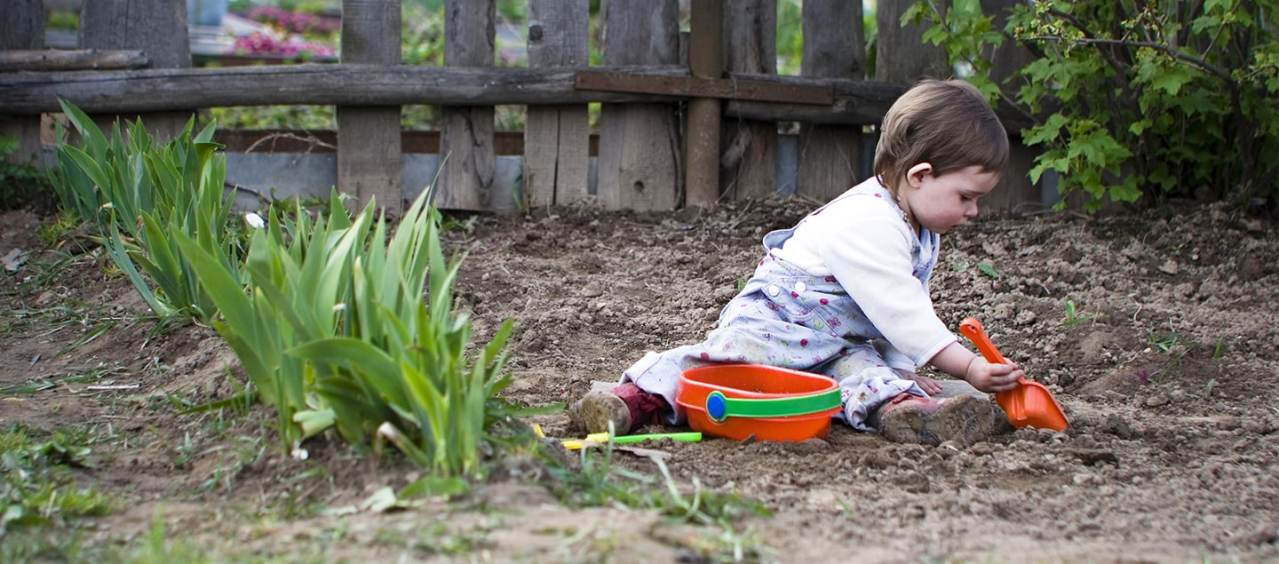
(944, 202)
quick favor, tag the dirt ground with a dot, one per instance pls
(1156, 330)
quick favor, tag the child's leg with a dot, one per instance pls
(866, 382)
(877, 397)
(753, 340)
(768, 323)
(621, 409)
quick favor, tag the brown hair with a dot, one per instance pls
(945, 123)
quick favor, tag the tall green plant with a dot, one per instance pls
(140, 194)
(1132, 99)
(336, 331)
(298, 283)
(409, 351)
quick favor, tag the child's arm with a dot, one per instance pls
(958, 361)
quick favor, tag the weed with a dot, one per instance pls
(157, 548)
(1163, 342)
(37, 487)
(432, 539)
(1074, 316)
(454, 223)
(36, 385)
(295, 501)
(57, 229)
(184, 452)
(248, 450)
(48, 268)
(41, 545)
(99, 328)
(988, 270)
(597, 484)
(1219, 350)
(959, 266)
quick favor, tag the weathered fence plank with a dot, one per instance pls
(22, 27)
(749, 155)
(467, 180)
(705, 60)
(368, 136)
(639, 153)
(159, 29)
(829, 156)
(901, 55)
(855, 101)
(71, 59)
(377, 85)
(557, 137)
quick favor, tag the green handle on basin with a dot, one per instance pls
(720, 407)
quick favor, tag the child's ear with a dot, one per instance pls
(915, 176)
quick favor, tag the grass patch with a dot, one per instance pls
(598, 482)
(36, 385)
(38, 488)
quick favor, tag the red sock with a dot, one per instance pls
(645, 408)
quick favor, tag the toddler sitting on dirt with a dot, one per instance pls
(845, 292)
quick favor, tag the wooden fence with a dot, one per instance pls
(687, 118)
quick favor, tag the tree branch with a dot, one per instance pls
(1157, 46)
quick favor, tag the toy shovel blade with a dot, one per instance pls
(1030, 404)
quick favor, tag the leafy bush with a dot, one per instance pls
(294, 288)
(1132, 99)
(409, 356)
(140, 195)
(336, 331)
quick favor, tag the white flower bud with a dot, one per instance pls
(254, 220)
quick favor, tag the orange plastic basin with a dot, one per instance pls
(697, 393)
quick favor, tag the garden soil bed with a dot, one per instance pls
(1168, 365)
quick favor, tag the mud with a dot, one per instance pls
(1166, 360)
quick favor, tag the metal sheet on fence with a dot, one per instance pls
(284, 175)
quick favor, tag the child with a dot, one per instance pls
(845, 292)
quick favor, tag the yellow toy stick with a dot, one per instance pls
(601, 438)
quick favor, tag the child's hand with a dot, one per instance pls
(929, 385)
(991, 378)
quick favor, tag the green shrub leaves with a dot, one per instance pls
(1135, 99)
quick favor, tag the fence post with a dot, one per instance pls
(1015, 191)
(705, 60)
(467, 140)
(22, 27)
(901, 55)
(159, 29)
(369, 137)
(557, 139)
(639, 154)
(749, 154)
(830, 156)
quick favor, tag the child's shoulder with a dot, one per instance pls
(868, 199)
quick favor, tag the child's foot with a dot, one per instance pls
(597, 409)
(963, 419)
(626, 406)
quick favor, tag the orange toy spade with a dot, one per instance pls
(1030, 404)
